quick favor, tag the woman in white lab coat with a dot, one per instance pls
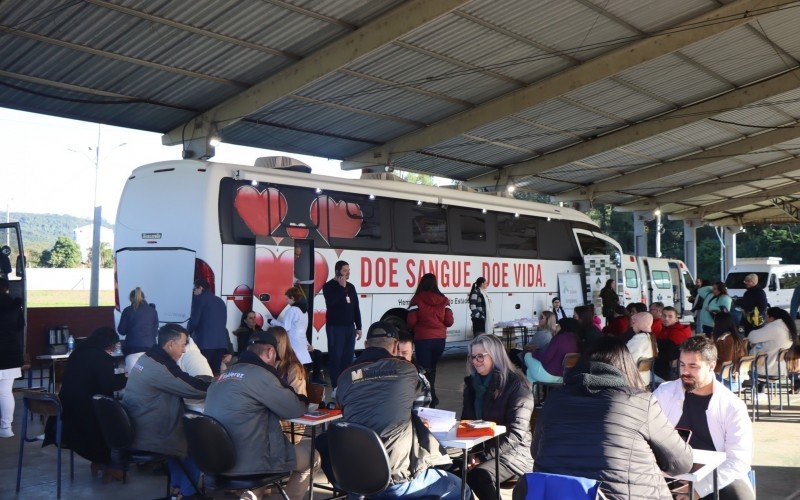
(295, 322)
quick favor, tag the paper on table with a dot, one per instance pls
(438, 420)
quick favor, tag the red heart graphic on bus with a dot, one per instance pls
(243, 298)
(338, 219)
(319, 320)
(261, 211)
(274, 274)
(297, 231)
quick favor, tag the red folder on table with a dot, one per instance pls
(466, 429)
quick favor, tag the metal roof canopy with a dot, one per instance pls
(688, 106)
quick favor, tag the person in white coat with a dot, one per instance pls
(295, 322)
(717, 418)
(642, 345)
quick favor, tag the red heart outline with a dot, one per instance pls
(297, 231)
(319, 319)
(345, 218)
(262, 211)
(243, 298)
(275, 273)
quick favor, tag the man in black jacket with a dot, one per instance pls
(753, 298)
(342, 320)
(378, 391)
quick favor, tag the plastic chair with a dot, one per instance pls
(540, 388)
(745, 368)
(118, 432)
(761, 360)
(543, 486)
(645, 365)
(782, 380)
(212, 449)
(726, 373)
(45, 404)
(364, 473)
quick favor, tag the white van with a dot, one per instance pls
(779, 281)
(654, 279)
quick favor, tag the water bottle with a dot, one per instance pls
(70, 344)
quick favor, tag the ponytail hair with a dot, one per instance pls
(478, 282)
(136, 297)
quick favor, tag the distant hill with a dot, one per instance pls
(40, 231)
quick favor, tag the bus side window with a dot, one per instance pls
(558, 241)
(375, 219)
(631, 279)
(419, 228)
(472, 232)
(517, 236)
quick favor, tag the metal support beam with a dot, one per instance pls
(759, 215)
(682, 194)
(664, 123)
(640, 232)
(687, 163)
(730, 247)
(604, 66)
(690, 244)
(789, 209)
(394, 24)
(741, 201)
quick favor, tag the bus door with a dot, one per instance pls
(681, 278)
(303, 270)
(597, 270)
(659, 281)
(12, 266)
(632, 281)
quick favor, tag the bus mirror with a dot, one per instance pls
(264, 297)
(20, 268)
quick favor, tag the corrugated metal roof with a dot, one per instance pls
(181, 62)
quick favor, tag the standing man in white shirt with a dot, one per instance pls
(717, 418)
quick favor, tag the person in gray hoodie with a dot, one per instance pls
(250, 400)
(154, 401)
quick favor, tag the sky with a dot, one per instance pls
(48, 164)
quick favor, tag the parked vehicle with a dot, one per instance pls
(778, 280)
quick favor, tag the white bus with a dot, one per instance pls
(253, 231)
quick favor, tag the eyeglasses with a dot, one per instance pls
(479, 357)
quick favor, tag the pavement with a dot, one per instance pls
(776, 459)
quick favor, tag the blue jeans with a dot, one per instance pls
(178, 479)
(430, 483)
(341, 347)
(428, 352)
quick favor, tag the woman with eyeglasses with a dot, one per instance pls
(495, 391)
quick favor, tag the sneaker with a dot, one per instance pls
(6, 432)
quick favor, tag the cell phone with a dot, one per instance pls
(315, 413)
(685, 434)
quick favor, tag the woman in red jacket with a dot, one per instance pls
(429, 315)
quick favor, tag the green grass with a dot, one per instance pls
(67, 298)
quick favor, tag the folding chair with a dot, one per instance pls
(45, 404)
(543, 486)
(540, 388)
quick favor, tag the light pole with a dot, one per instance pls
(94, 286)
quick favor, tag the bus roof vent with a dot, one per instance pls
(381, 176)
(283, 163)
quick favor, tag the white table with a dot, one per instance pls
(53, 359)
(710, 461)
(313, 423)
(450, 440)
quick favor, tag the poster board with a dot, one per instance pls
(570, 291)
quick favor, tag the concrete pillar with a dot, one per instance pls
(640, 218)
(582, 205)
(690, 244)
(730, 248)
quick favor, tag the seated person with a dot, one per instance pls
(250, 400)
(193, 362)
(247, 327)
(656, 308)
(643, 344)
(546, 365)
(378, 391)
(293, 372)
(154, 401)
(618, 324)
(405, 349)
(672, 335)
(496, 391)
(717, 418)
(89, 371)
(604, 425)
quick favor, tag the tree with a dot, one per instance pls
(106, 256)
(65, 253)
(415, 178)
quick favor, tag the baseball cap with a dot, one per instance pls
(382, 329)
(266, 338)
